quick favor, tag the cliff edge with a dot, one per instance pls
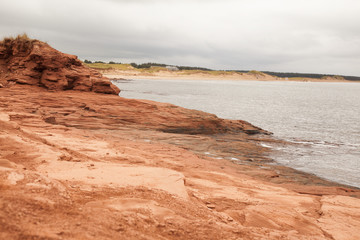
(33, 62)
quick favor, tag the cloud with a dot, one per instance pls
(301, 36)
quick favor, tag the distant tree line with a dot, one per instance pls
(111, 62)
(149, 65)
(193, 68)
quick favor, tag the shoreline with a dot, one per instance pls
(330, 178)
(102, 163)
(113, 74)
(261, 161)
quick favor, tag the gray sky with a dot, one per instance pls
(318, 36)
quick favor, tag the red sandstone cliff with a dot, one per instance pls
(28, 61)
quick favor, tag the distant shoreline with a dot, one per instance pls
(164, 72)
(114, 74)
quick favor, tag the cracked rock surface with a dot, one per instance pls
(83, 165)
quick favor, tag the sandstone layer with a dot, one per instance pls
(83, 165)
(32, 62)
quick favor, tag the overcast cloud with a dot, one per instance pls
(318, 36)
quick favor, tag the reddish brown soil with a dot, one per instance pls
(82, 165)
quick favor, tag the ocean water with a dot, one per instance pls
(322, 118)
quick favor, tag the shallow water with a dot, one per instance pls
(324, 118)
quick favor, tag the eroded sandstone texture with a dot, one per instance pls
(32, 62)
(81, 165)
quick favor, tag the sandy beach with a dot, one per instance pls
(188, 75)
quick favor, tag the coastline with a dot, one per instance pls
(101, 163)
(251, 100)
(183, 75)
(79, 162)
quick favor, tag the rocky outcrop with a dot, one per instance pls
(32, 62)
(79, 165)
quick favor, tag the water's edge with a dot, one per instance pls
(311, 115)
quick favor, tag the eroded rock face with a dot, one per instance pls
(32, 62)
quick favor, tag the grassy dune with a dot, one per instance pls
(107, 66)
